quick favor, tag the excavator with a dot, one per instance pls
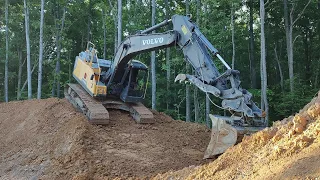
(121, 83)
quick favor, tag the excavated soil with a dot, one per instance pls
(290, 149)
(49, 139)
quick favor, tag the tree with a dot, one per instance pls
(188, 116)
(232, 35)
(289, 22)
(279, 67)
(59, 30)
(40, 51)
(195, 90)
(263, 63)
(153, 60)
(89, 35)
(168, 55)
(26, 15)
(207, 109)
(115, 24)
(119, 22)
(207, 95)
(289, 39)
(252, 61)
(7, 52)
(104, 15)
(19, 72)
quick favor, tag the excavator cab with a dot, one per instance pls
(134, 81)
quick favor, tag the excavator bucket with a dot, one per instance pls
(223, 136)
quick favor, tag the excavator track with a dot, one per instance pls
(138, 111)
(93, 109)
(96, 110)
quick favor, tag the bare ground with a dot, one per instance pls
(288, 150)
(49, 139)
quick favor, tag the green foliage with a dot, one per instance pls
(288, 103)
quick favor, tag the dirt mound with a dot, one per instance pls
(288, 150)
(48, 139)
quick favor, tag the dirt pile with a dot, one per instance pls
(288, 150)
(48, 139)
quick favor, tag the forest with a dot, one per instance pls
(273, 43)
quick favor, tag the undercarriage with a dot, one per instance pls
(96, 109)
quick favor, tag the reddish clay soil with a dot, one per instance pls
(290, 149)
(49, 139)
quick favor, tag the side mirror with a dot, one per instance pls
(92, 76)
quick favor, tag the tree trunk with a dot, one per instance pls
(318, 65)
(6, 98)
(316, 83)
(252, 61)
(188, 103)
(279, 67)
(289, 28)
(261, 82)
(26, 11)
(26, 81)
(198, 12)
(263, 62)
(40, 51)
(195, 90)
(82, 41)
(207, 96)
(119, 22)
(58, 46)
(104, 34)
(307, 60)
(115, 25)
(196, 105)
(89, 22)
(57, 17)
(19, 73)
(70, 69)
(233, 42)
(188, 116)
(290, 55)
(208, 110)
(168, 55)
(153, 60)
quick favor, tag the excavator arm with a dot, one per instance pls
(202, 56)
(137, 44)
(199, 53)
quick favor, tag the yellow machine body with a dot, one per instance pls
(87, 74)
(89, 71)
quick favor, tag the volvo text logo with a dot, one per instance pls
(152, 41)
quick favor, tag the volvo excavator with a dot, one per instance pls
(121, 83)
